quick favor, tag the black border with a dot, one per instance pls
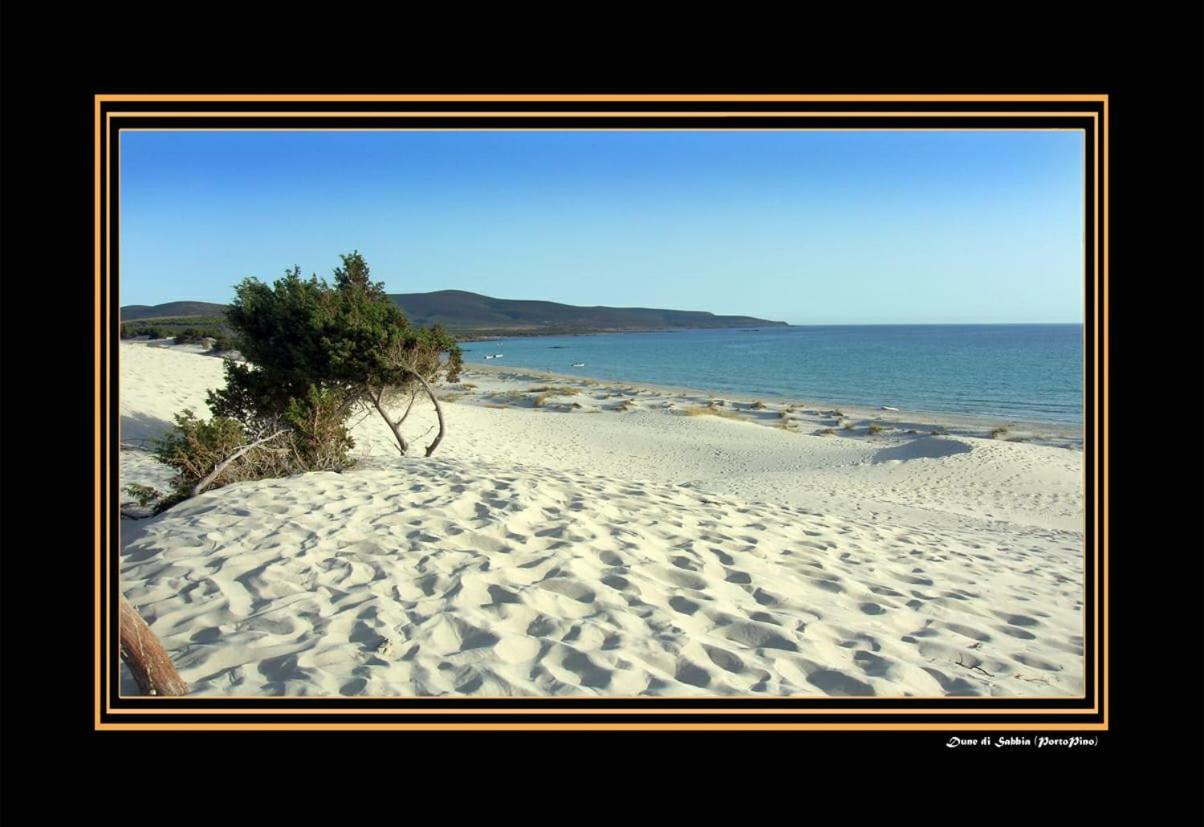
(1149, 61)
(779, 711)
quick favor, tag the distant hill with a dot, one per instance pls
(461, 310)
(471, 313)
(138, 312)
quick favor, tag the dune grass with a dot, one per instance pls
(707, 410)
(555, 390)
(550, 392)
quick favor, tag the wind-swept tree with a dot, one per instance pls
(313, 347)
(380, 358)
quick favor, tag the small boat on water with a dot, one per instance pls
(578, 364)
(488, 357)
(497, 356)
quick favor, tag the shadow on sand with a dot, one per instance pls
(929, 447)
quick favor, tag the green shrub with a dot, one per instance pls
(190, 335)
(223, 343)
(319, 438)
(311, 437)
(144, 495)
(195, 447)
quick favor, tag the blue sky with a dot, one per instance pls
(807, 227)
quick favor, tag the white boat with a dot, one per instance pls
(578, 364)
(889, 408)
(488, 357)
(497, 356)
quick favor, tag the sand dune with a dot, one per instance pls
(641, 550)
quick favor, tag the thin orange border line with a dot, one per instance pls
(599, 98)
(1034, 697)
(1100, 269)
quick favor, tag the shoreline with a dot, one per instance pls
(1045, 432)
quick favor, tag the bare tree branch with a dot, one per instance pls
(395, 427)
(224, 464)
(430, 449)
(413, 396)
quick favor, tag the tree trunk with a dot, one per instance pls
(430, 449)
(395, 427)
(145, 656)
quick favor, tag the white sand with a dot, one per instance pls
(590, 550)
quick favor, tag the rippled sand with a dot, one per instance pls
(636, 551)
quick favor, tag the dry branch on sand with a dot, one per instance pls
(145, 656)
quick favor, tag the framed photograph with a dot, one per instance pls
(703, 411)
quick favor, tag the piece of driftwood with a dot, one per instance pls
(145, 656)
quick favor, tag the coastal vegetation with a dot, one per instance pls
(315, 352)
(705, 410)
(192, 328)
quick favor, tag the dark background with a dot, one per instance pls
(1150, 65)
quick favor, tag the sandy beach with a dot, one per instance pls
(576, 537)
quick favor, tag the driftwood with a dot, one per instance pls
(146, 657)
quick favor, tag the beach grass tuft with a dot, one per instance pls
(555, 390)
(705, 410)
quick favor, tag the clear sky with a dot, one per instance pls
(807, 227)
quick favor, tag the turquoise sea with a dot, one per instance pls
(1020, 371)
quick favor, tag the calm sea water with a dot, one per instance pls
(1028, 372)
